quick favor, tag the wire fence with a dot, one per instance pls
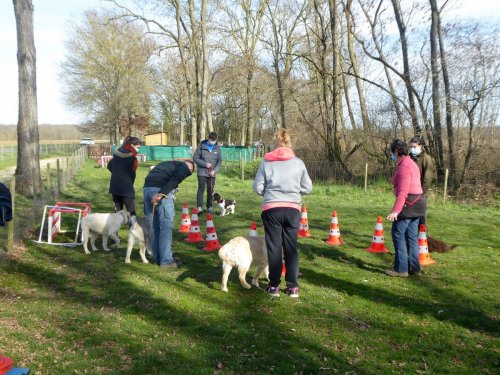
(56, 173)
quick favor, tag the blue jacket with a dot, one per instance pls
(203, 155)
(5, 205)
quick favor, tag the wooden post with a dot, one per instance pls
(445, 192)
(58, 178)
(366, 176)
(48, 179)
(10, 224)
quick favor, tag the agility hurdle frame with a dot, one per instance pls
(55, 218)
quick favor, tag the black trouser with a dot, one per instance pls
(281, 225)
(209, 182)
(119, 201)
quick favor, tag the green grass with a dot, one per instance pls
(62, 311)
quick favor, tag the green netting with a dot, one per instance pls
(237, 152)
(176, 152)
(164, 152)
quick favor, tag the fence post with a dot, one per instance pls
(445, 192)
(10, 224)
(243, 169)
(366, 176)
(58, 178)
(48, 179)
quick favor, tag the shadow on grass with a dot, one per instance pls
(465, 315)
(232, 334)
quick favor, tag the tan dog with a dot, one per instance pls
(106, 225)
(242, 252)
(140, 232)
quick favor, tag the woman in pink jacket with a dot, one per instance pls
(409, 207)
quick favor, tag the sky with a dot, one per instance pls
(51, 18)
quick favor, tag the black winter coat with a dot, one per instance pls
(167, 175)
(122, 171)
(202, 156)
(5, 205)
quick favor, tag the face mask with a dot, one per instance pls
(210, 142)
(415, 151)
(136, 147)
(393, 157)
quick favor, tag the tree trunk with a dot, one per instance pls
(355, 68)
(28, 177)
(406, 64)
(436, 103)
(447, 92)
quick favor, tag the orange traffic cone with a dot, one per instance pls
(423, 251)
(334, 237)
(212, 242)
(194, 230)
(185, 220)
(253, 229)
(377, 245)
(303, 224)
(283, 269)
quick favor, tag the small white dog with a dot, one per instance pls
(106, 225)
(242, 252)
(141, 232)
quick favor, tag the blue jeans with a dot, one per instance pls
(404, 236)
(162, 220)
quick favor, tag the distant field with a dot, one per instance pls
(55, 141)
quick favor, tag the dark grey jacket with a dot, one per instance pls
(202, 156)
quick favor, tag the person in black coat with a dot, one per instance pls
(123, 168)
(5, 205)
(208, 159)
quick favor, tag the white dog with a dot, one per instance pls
(106, 225)
(242, 252)
(140, 232)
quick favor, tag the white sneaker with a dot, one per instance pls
(199, 210)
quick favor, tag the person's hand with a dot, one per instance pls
(209, 165)
(212, 173)
(156, 198)
(392, 216)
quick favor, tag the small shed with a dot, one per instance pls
(156, 139)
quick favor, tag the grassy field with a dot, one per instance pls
(62, 311)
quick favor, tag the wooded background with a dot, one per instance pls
(346, 77)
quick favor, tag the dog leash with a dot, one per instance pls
(154, 207)
(211, 181)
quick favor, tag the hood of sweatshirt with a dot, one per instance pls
(280, 154)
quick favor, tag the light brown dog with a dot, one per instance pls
(243, 252)
(139, 232)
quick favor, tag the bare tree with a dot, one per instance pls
(107, 72)
(28, 177)
(406, 65)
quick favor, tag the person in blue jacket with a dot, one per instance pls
(208, 159)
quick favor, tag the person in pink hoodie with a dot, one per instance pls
(406, 212)
(282, 179)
